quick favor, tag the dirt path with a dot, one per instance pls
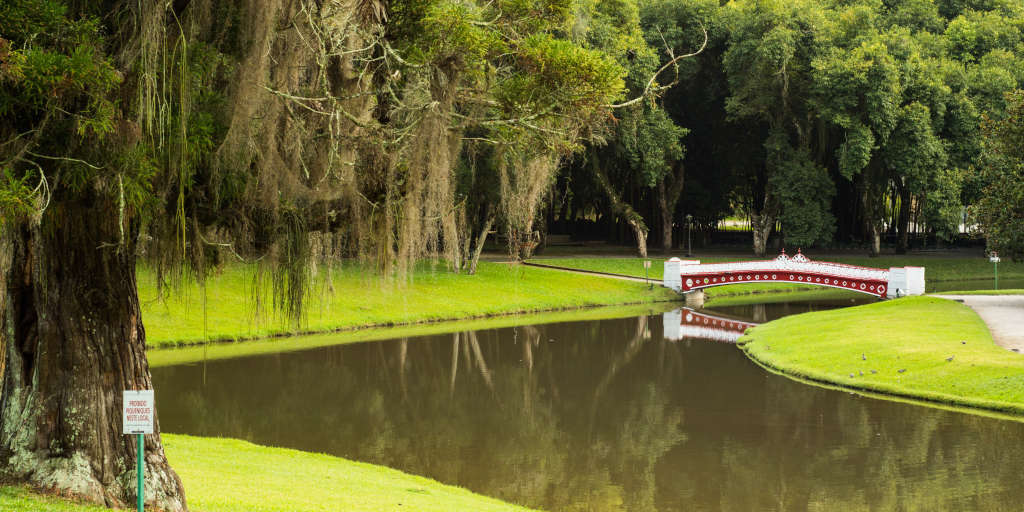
(1004, 315)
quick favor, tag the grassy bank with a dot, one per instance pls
(353, 297)
(899, 347)
(213, 352)
(226, 475)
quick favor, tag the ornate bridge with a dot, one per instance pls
(687, 323)
(897, 281)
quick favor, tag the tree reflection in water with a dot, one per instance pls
(601, 415)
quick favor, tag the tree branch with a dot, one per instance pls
(650, 83)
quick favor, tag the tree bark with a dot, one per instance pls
(876, 239)
(668, 198)
(72, 328)
(761, 225)
(480, 239)
(623, 210)
(666, 222)
(640, 231)
(903, 221)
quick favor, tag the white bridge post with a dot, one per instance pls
(672, 277)
(905, 281)
(673, 274)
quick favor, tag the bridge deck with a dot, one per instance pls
(783, 269)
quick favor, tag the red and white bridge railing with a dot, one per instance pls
(690, 275)
(688, 323)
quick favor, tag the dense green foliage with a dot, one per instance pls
(420, 126)
(1000, 207)
(827, 122)
(885, 348)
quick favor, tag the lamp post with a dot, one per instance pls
(994, 258)
(689, 241)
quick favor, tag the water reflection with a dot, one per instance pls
(765, 312)
(691, 323)
(601, 415)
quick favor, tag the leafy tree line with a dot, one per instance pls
(838, 121)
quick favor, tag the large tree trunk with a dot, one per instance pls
(876, 239)
(761, 225)
(480, 239)
(668, 197)
(666, 226)
(623, 210)
(640, 231)
(72, 329)
(903, 221)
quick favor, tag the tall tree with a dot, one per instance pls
(1000, 209)
(768, 64)
(170, 129)
(73, 179)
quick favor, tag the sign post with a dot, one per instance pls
(995, 266)
(647, 266)
(137, 419)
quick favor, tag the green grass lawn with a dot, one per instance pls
(228, 475)
(914, 334)
(18, 499)
(354, 297)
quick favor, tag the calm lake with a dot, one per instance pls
(604, 415)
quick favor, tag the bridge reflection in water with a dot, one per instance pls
(690, 323)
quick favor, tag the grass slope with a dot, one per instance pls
(227, 475)
(356, 298)
(914, 334)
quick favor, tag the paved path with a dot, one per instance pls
(594, 273)
(1004, 315)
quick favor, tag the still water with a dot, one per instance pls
(604, 415)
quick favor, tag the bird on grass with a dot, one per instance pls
(901, 370)
(948, 359)
(863, 357)
(873, 372)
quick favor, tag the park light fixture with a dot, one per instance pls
(689, 241)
